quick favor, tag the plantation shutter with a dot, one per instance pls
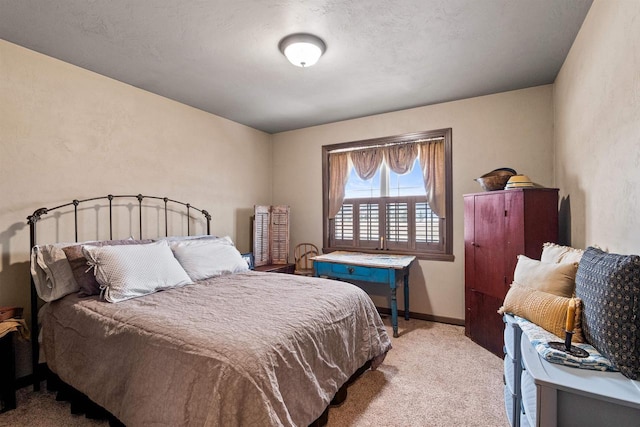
(270, 235)
(279, 234)
(261, 222)
(398, 225)
(369, 225)
(343, 225)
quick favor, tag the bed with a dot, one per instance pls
(236, 349)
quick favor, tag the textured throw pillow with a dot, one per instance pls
(557, 279)
(554, 253)
(129, 271)
(609, 286)
(51, 273)
(544, 309)
(83, 272)
(203, 259)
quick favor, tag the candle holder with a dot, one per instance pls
(567, 347)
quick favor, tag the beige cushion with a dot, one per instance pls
(554, 253)
(546, 310)
(557, 279)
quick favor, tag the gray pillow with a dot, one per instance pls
(609, 286)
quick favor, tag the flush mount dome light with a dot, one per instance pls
(302, 50)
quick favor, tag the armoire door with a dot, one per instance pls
(485, 269)
(498, 226)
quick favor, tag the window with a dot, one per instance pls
(379, 207)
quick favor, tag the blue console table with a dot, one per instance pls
(362, 267)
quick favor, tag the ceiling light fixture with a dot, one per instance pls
(302, 50)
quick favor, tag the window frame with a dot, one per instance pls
(445, 250)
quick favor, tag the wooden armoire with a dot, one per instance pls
(498, 226)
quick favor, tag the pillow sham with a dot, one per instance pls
(544, 309)
(172, 239)
(51, 272)
(129, 271)
(554, 253)
(557, 279)
(203, 259)
(82, 272)
(609, 286)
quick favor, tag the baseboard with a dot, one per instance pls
(422, 316)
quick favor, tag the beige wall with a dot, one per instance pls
(597, 129)
(512, 129)
(69, 133)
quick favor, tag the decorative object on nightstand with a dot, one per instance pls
(10, 322)
(302, 255)
(248, 257)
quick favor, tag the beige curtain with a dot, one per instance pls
(401, 157)
(338, 175)
(433, 172)
(366, 162)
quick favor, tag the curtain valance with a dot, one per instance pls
(400, 158)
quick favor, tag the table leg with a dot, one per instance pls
(394, 312)
(7, 373)
(406, 296)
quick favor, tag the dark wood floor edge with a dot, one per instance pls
(422, 316)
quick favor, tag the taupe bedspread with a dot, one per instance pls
(250, 349)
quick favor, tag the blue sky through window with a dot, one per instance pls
(359, 188)
(410, 184)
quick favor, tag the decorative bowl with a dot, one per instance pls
(496, 179)
(519, 181)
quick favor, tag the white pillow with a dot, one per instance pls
(51, 272)
(172, 239)
(554, 253)
(130, 271)
(554, 278)
(203, 259)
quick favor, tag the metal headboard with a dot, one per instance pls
(33, 219)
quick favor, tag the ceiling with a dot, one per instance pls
(223, 57)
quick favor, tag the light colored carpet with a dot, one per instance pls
(433, 376)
